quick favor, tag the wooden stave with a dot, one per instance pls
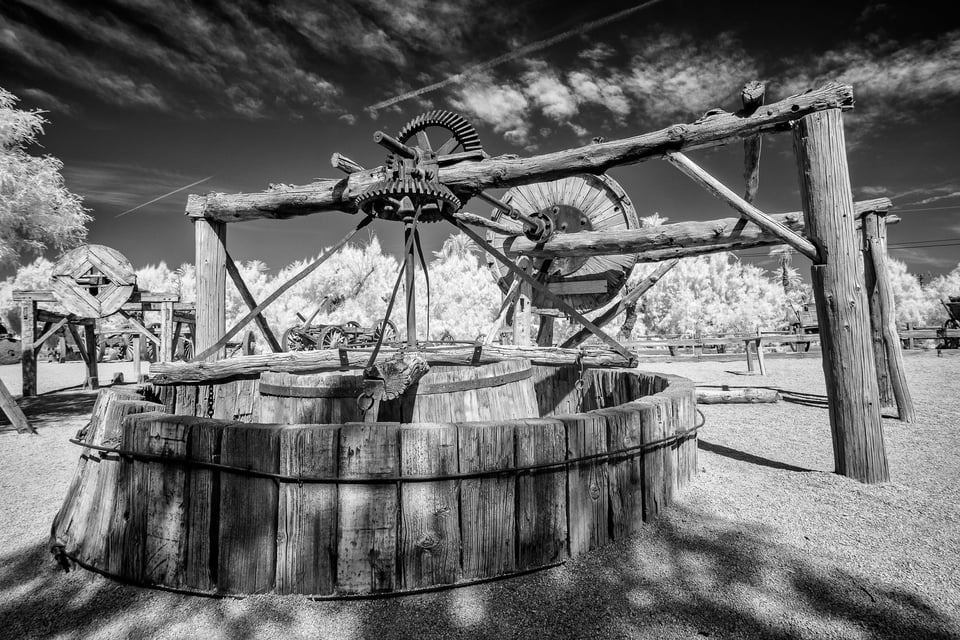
(673, 392)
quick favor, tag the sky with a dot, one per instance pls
(146, 97)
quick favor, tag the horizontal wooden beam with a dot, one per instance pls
(713, 129)
(330, 360)
(137, 297)
(670, 240)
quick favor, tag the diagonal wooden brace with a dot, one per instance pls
(762, 220)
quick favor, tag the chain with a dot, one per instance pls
(578, 385)
(210, 401)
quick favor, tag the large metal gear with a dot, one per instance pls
(464, 137)
(385, 200)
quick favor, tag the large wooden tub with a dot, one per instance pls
(205, 492)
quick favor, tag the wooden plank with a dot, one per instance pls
(751, 97)
(200, 554)
(487, 505)
(578, 287)
(848, 364)
(248, 510)
(211, 255)
(13, 412)
(656, 465)
(330, 360)
(367, 513)
(588, 485)
(541, 495)
(624, 430)
(429, 511)
(93, 375)
(307, 517)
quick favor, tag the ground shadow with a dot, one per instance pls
(743, 456)
(689, 575)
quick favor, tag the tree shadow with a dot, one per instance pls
(687, 575)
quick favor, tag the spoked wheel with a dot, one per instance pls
(292, 340)
(331, 337)
(389, 331)
(184, 350)
(574, 204)
(951, 343)
(249, 344)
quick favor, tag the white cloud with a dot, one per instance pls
(546, 90)
(502, 106)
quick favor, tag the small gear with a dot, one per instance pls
(384, 199)
(465, 137)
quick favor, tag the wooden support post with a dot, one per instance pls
(165, 352)
(842, 310)
(891, 378)
(410, 285)
(28, 356)
(910, 344)
(522, 315)
(211, 257)
(136, 343)
(751, 96)
(545, 332)
(93, 375)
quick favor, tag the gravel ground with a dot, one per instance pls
(768, 543)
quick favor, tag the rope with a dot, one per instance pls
(622, 454)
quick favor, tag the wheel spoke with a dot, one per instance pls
(447, 147)
(423, 141)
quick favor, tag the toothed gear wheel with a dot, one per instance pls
(382, 200)
(464, 137)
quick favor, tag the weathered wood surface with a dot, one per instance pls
(430, 511)
(624, 430)
(891, 377)
(487, 505)
(588, 502)
(307, 518)
(28, 356)
(203, 509)
(248, 510)
(211, 258)
(318, 398)
(715, 128)
(541, 495)
(367, 513)
(167, 373)
(251, 303)
(842, 309)
(671, 240)
(736, 395)
(77, 297)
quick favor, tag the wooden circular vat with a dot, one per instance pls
(226, 505)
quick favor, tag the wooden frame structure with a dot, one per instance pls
(173, 315)
(824, 231)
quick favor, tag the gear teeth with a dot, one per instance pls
(464, 132)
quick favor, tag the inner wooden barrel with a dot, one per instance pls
(315, 398)
(498, 391)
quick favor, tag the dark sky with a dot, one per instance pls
(147, 96)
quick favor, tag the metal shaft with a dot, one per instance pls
(409, 282)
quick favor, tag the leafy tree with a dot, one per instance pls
(36, 210)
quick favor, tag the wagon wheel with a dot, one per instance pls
(331, 337)
(148, 350)
(577, 203)
(292, 340)
(184, 349)
(951, 343)
(249, 344)
(389, 331)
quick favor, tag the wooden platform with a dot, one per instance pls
(230, 505)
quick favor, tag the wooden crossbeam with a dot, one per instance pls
(620, 306)
(751, 97)
(508, 171)
(759, 218)
(13, 412)
(251, 304)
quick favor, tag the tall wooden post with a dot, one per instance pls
(165, 353)
(891, 378)
(211, 259)
(838, 286)
(93, 374)
(28, 355)
(410, 285)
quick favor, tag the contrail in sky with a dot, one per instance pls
(533, 47)
(140, 206)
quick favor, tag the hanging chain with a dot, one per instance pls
(210, 401)
(578, 385)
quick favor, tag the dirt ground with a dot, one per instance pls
(767, 543)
